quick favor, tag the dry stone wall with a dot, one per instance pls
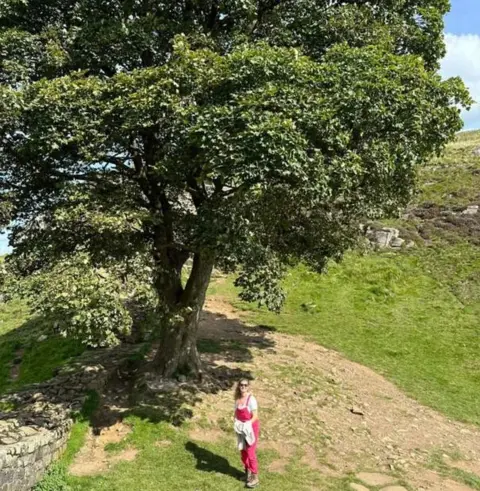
(35, 423)
(26, 453)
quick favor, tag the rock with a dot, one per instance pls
(7, 440)
(476, 152)
(375, 479)
(383, 237)
(357, 487)
(356, 410)
(182, 379)
(42, 338)
(397, 242)
(394, 488)
(28, 431)
(410, 244)
(471, 210)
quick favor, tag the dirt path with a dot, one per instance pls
(94, 459)
(343, 417)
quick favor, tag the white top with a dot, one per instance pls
(252, 404)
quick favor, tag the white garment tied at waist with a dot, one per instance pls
(245, 434)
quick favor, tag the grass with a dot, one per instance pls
(183, 464)
(19, 334)
(454, 178)
(437, 463)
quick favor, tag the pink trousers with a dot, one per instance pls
(249, 455)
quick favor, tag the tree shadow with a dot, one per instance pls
(209, 462)
(230, 340)
(145, 395)
(119, 377)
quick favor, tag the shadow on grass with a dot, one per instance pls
(209, 462)
(32, 353)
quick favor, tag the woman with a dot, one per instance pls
(246, 410)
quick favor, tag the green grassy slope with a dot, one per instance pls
(411, 315)
(19, 343)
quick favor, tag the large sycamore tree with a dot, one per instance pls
(247, 135)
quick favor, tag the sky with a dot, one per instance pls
(462, 36)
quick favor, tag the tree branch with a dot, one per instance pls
(213, 15)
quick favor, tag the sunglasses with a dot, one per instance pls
(243, 385)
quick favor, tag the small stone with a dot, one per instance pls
(471, 210)
(394, 488)
(397, 243)
(375, 479)
(356, 410)
(28, 431)
(182, 379)
(42, 338)
(384, 236)
(7, 441)
(358, 487)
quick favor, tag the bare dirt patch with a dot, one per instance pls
(285, 452)
(449, 485)
(93, 458)
(163, 443)
(310, 459)
(356, 420)
(15, 368)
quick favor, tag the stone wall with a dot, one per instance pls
(35, 422)
(26, 452)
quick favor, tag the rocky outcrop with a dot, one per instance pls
(36, 422)
(470, 210)
(387, 237)
(426, 223)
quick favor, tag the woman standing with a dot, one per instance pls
(246, 410)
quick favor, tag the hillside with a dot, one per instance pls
(411, 314)
(372, 368)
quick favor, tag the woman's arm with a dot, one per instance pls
(254, 416)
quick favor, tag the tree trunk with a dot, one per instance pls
(177, 353)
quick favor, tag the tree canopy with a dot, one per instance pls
(250, 135)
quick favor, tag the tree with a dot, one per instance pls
(247, 134)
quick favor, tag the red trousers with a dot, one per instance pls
(249, 455)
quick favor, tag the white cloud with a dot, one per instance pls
(463, 60)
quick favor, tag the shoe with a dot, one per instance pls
(248, 476)
(253, 482)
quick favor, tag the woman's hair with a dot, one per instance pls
(238, 392)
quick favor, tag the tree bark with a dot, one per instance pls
(177, 353)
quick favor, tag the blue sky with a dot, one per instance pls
(462, 35)
(464, 17)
